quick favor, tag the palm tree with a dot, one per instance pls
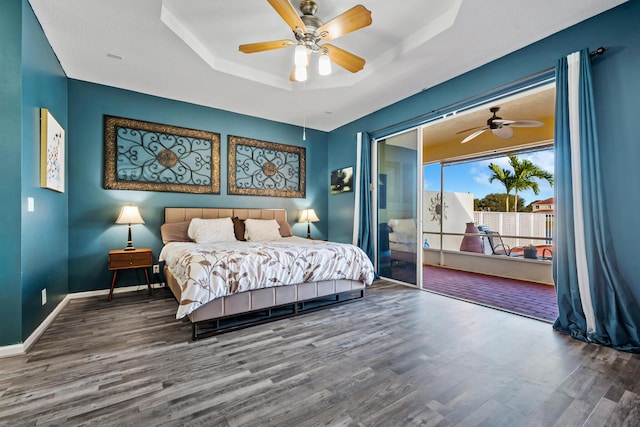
(524, 174)
(506, 178)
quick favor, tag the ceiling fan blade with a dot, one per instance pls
(525, 124)
(502, 121)
(353, 19)
(346, 60)
(289, 14)
(264, 46)
(504, 132)
(467, 130)
(473, 135)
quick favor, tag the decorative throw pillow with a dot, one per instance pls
(238, 228)
(175, 232)
(285, 229)
(212, 230)
(262, 229)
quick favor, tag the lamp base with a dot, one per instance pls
(129, 241)
(308, 230)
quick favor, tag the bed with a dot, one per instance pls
(250, 276)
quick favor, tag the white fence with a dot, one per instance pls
(524, 224)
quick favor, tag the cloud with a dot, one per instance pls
(543, 159)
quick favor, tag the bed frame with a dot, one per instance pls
(260, 305)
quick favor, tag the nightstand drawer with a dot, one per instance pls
(130, 259)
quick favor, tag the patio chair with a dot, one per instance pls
(496, 246)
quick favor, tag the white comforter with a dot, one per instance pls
(208, 271)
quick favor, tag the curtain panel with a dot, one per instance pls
(365, 229)
(594, 301)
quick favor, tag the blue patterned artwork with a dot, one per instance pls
(149, 156)
(261, 168)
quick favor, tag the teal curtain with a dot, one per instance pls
(365, 230)
(594, 301)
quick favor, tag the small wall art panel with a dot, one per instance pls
(154, 157)
(342, 180)
(261, 168)
(52, 152)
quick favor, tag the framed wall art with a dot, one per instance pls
(342, 180)
(52, 152)
(261, 168)
(148, 156)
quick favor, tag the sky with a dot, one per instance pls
(473, 177)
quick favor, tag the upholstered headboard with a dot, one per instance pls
(185, 214)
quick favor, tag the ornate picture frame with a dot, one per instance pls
(147, 156)
(52, 152)
(261, 168)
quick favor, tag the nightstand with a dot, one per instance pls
(119, 259)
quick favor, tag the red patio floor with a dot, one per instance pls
(525, 298)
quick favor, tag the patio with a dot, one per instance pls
(525, 298)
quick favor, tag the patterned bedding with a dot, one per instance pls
(209, 271)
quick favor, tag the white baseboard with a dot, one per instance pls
(23, 348)
(85, 294)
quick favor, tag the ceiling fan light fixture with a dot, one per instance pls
(324, 65)
(300, 73)
(300, 56)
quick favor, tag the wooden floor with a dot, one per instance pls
(400, 357)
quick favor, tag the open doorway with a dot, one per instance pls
(476, 220)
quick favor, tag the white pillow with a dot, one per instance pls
(402, 237)
(403, 225)
(212, 230)
(261, 229)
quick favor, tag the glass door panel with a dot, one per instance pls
(397, 204)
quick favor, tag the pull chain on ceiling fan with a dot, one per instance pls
(499, 127)
(309, 31)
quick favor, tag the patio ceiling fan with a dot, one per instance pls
(500, 127)
(309, 33)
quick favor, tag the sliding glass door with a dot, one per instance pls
(399, 243)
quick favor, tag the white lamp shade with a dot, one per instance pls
(300, 56)
(308, 215)
(300, 73)
(129, 215)
(324, 65)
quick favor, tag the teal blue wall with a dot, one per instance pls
(44, 231)
(617, 94)
(10, 137)
(34, 252)
(93, 210)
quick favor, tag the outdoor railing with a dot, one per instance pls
(515, 229)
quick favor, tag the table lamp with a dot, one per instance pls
(129, 215)
(308, 216)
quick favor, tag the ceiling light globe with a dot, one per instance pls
(300, 56)
(300, 74)
(324, 65)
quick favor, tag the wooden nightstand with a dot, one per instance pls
(119, 259)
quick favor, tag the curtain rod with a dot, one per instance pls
(599, 51)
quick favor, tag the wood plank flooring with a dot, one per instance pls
(400, 357)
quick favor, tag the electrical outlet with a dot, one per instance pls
(156, 269)
(44, 296)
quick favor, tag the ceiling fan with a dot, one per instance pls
(500, 127)
(309, 31)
